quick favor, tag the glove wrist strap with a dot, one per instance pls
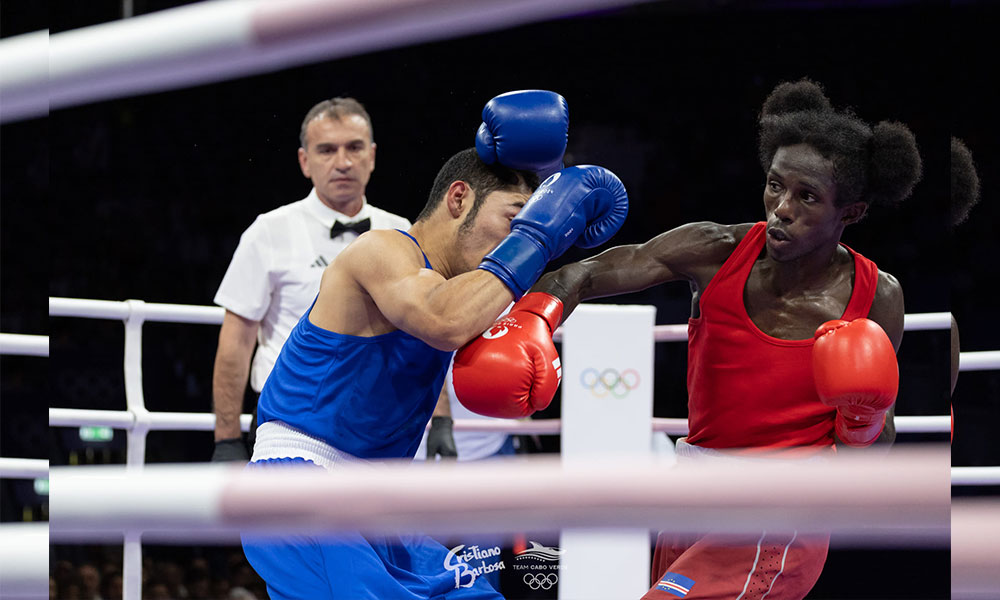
(544, 305)
(859, 432)
(518, 262)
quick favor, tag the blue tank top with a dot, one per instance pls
(368, 396)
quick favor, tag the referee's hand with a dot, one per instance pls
(440, 439)
(231, 450)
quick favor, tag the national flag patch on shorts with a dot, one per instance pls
(676, 584)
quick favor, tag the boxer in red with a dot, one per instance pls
(780, 312)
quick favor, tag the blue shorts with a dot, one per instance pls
(355, 567)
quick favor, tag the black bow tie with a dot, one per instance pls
(358, 228)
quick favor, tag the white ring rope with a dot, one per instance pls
(25, 345)
(979, 361)
(76, 417)
(122, 310)
(927, 321)
(143, 311)
(212, 315)
(123, 419)
(975, 476)
(902, 498)
(163, 421)
(222, 39)
(24, 61)
(24, 560)
(975, 551)
(24, 468)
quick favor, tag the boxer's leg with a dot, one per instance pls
(292, 567)
(350, 566)
(772, 566)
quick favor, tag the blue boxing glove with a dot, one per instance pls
(525, 130)
(584, 204)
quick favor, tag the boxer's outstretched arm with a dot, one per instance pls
(685, 253)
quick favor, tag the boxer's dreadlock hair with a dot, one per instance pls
(482, 178)
(877, 165)
(964, 182)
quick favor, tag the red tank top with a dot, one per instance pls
(747, 389)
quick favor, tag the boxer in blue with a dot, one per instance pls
(359, 376)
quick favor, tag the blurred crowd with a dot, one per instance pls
(220, 573)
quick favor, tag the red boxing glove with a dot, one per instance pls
(512, 369)
(855, 369)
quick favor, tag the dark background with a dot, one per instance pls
(146, 197)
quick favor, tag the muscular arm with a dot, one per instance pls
(690, 252)
(232, 368)
(387, 270)
(887, 310)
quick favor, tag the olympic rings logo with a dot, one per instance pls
(537, 581)
(609, 381)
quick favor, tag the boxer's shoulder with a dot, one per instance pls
(380, 247)
(887, 307)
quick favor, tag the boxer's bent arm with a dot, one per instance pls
(232, 368)
(887, 308)
(445, 313)
(675, 255)
(888, 311)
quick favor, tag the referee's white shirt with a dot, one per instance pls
(275, 272)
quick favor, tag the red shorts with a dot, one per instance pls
(772, 566)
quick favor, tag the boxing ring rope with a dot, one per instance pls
(24, 345)
(24, 468)
(975, 476)
(901, 498)
(24, 560)
(975, 568)
(136, 420)
(173, 421)
(134, 312)
(24, 547)
(223, 39)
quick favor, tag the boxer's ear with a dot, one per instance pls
(459, 198)
(854, 212)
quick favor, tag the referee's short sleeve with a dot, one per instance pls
(246, 287)
(383, 219)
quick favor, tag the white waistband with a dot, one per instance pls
(277, 440)
(686, 451)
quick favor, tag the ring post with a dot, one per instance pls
(135, 456)
(607, 411)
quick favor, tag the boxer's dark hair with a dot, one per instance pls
(482, 178)
(877, 165)
(964, 182)
(336, 108)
